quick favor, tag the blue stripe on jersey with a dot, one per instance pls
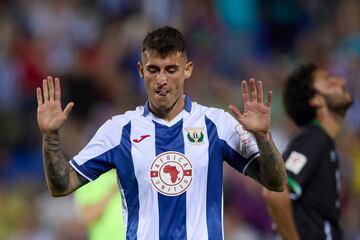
(126, 173)
(83, 170)
(214, 183)
(172, 210)
(98, 165)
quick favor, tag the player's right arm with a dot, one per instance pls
(280, 210)
(61, 178)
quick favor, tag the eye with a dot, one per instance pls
(152, 69)
(172, 70)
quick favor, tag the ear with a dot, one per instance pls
(188, 69)
(317, 101)
(140, 69)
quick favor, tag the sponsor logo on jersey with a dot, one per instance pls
(171, 173)
(142, 137)
(295, 162)
(195, 135)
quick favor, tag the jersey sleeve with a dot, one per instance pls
(302, 159)
(240, 147)
(97, 156)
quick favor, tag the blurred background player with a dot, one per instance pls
(99, 204)
(316, 101)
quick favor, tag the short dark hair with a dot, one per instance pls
(298, 90)
(165, 41)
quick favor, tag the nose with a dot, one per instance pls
(341, 81)
(161, 78)
(338, 80)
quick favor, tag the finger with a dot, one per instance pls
(245, 91)
(235, 110)
(39, 96)
(50, 82)
(57, 90)
(237, 113)
(259, 90)
(269, 99)
(45, 90)
(252, 89)
(68, 109)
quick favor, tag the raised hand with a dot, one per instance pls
(256, 115)
(50, 115)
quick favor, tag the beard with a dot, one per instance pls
(339, 105)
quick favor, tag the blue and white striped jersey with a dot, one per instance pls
(170, 173)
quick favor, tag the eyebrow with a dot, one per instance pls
(172, 66)
(167, 66)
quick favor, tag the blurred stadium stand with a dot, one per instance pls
(93, 47)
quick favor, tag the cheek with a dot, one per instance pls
(148, 81)
(177, 84)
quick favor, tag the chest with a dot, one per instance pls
(169, 158)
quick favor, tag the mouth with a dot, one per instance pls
(162, 92)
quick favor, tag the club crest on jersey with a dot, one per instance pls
(195, 135)
(171, 173)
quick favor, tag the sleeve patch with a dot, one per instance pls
(248, 145)
(295, 162)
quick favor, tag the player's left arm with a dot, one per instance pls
(268, 168)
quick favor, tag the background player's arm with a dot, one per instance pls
(61, 178)
(90, 213)
(280, 209)
(268, 169)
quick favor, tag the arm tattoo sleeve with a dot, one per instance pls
(61, 178)
(270, 170)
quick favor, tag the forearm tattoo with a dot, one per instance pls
(56, 166)
(60, 176)
(272, 169)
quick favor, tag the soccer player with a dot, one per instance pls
(316, 101)
(169, 153)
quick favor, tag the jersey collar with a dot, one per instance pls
(317, 123)
(187, 106)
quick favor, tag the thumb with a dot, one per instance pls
(68, 108)
(235, 110)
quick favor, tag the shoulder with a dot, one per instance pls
(138, 112)
(311, 141)
(219, 119)
(212, 113)
(120, 120)
(128, 115)
(311, 135)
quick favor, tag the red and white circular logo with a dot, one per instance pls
(171, 173)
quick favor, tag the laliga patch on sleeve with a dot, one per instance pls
(295, 162)
(247, 142)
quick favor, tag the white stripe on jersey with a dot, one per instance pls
(146, 229)
(196, 194)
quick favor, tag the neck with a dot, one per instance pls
(331, 122)
(171, 112)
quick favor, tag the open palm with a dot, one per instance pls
(256, 115)
(50, 115)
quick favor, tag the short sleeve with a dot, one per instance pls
(240, 147)
(98, 155)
